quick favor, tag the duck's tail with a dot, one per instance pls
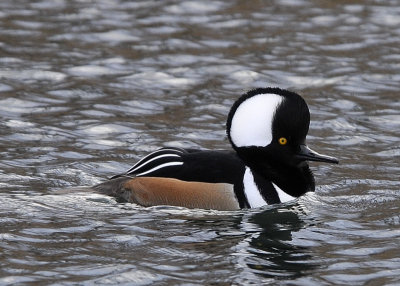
(112, 187)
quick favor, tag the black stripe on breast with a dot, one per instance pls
(240, 195)
(267, 190)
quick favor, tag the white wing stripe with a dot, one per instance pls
(159, 167)
(151, 155)
(137, 167)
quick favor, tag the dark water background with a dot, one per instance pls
(88, 87)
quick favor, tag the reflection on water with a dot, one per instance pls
(89, 87)
(275, 256)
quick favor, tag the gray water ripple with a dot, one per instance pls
(88, 88)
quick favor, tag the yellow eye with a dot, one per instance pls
(282, 141)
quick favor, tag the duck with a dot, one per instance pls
(267, 164)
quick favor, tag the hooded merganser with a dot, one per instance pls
(267, 129)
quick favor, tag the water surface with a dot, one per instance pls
(89, 87)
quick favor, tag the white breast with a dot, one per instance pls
(253, 194)
(251, 190)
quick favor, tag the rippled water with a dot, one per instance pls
(88, 87)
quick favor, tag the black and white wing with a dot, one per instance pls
(160, 160)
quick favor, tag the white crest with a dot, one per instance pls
(252, 121)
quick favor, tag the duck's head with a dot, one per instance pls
(268, 127)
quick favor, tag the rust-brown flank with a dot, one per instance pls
(151, 191)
